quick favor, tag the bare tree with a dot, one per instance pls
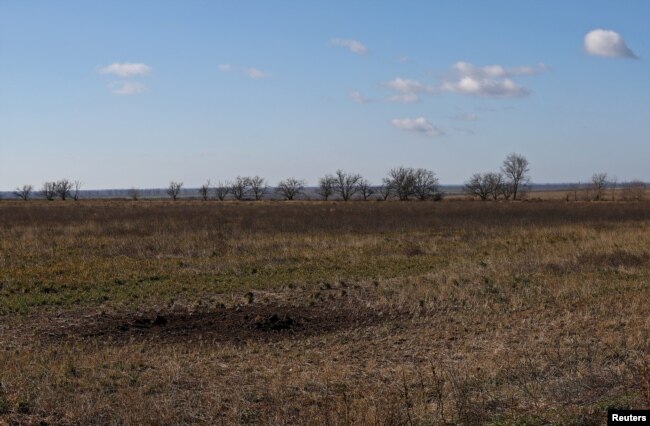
(174, 189)
(598, 184)
(222, 189)
(134, 193)
(634, 190)
(49, 190)
(384, 190)
(24, 192)
(364, 187)
(496, 185)
(478, 186)
(290, 188)
(239, 187)
(258, 187)
(401, 181)
(64, 188)
(204, 191)
(326, 186)
(346, 184)
(515, 168)
(77, 187)
(425, 184)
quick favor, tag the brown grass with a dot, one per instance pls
(156, 312)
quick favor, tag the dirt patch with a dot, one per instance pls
(237, 324)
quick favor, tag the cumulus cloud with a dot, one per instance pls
(418, 125)
(358, 97)
(225, 67)
(127, 87)
(488, 81)
(353, 46)
(256, 73)
(407, 91)
(126, 69)
(465, 117)
(600, 42)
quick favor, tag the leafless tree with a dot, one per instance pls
(496, 184)
(49, 190)
(222, 189)
(384, 190)
(478, 186)
(326, 186)
(64, 188)
(425, 185)
(598, 184)
(364, 187)
(346, 184)
(24, 192)
(290, 188)
(515, 169)
(634, 190)
(258, 187)
(77, 187)
(134, 193)
(401, 181)
(239, 187)
(204, 191)
(174, 189)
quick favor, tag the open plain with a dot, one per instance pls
(382, 313)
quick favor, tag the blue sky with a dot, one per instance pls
(137, 93)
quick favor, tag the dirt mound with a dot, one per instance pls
(258, 322)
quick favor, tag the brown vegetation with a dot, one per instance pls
(161, 312)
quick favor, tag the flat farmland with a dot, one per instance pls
(161, 312)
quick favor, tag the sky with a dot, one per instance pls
(122, 94)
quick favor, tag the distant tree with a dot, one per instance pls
(496, 184)
(401, 181)
(290, 188)
(204, 191)
(174, 189)
(239, 187)
(24, 193)
(63, 189)
(364, 187)
(77, 187)
(598, 185)
(634, 190)
(258, 187)
(515, 169)
(346, 184)
(222, 189)
(384, 190)
(326, 186)
(478, 186)
(49, 190)
(425, 185)
(134, 193)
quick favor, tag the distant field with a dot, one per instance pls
(160, 312)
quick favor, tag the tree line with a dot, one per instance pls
(510, 182)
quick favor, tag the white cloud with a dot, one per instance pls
(127, 87)
(256, 73)
(600, 42)
(465, 117)
(407, 90)
(359, 98)
(418, 125)
(126, 69)
(353, 46)
(488, 81)
(225, 67)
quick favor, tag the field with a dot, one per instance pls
(382, 313)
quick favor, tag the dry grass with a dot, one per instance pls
(323, 313)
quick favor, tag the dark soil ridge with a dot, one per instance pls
(236, 324)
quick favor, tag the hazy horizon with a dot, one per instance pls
(125, 94)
